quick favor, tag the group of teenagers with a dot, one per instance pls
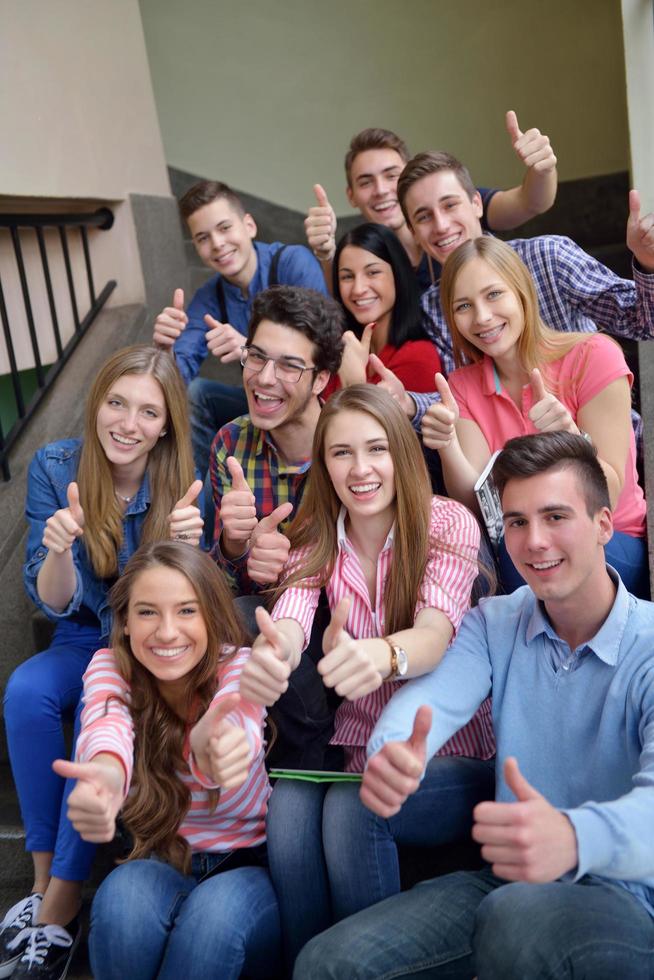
(293, 573)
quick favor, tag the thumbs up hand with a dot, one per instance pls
(392, 384)
(547, 413)
(355, 356)
(171, 322)
(529, 840)
(264, 677)
(97, 796)
(352, 667)
(320, 227)
(269, 548)
(238, 511)
(223, 340)
(640, 233)
(439, 422)
(65, 525)
(396, 770)
(220, 746)
(186, 521)
(532, 148)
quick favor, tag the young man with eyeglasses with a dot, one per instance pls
(216, 320)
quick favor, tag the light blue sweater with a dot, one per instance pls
(580, 723)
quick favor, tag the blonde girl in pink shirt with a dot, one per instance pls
(397, 565)
(526, 378)
(167, 739)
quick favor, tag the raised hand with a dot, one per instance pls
(221, 748)
(532, 148)
(264, 677)
(66, 524)
(547, 413)
(320, 227)
(529, 840)
(238, 511)
(355, 356)
(349, 665)
(393, 385)
(439, 421)
(223, 340)
(171, 322)
(97, 797)
(186, 521)
(394, 773)
(269, 548)
(640, 233)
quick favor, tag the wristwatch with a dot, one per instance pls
(399, 660)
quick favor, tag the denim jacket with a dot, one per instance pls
(51, 470)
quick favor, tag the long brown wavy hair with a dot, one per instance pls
(315, 523)
(538, 344)
(158, 799)
(170, 462)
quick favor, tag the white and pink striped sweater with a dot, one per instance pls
(239, 818)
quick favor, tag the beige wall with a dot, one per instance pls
(266, 95)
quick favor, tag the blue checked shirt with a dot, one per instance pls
(575, 292)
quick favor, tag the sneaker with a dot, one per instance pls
(20, 916)
(48, 951)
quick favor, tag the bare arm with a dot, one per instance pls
(537, 192)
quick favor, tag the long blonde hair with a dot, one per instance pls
(538, 344)
(314, 526)
(159, 800)
(170, 462)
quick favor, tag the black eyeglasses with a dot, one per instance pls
(256, 361)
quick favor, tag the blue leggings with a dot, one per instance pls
(38, 695)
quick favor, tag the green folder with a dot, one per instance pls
(316, 775)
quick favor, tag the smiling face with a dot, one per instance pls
(373, 186)
(486, 311)
(367, 285)
(131, 418)
(165, 626)
(223, 240)
(273, 403)
(359, 463)
(553, 542)
(441, 214)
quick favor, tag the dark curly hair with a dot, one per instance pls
(318, 317)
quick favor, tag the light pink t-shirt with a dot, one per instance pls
(575, 379)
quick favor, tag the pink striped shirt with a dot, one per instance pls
(239, 817)
(446, 586)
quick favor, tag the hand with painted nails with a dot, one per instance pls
(269, 548)
(439, 421)
(66, 525)
(185, 521)
(220, 744)
(394, 773)
(320, 227)
(170, 323)
(223, 341)
(547, 413)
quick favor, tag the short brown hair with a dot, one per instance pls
(532, 455)
(373, 139)
(432, 162)
(206, 192)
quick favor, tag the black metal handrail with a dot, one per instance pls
(101, 219)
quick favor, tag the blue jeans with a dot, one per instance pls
(473, 924)
(39, 693)
(149, 920)
(212, 405)
(330, 856)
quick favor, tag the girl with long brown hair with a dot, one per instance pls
(526, 378)
(166, 738)
(397, 565)
(90, 503)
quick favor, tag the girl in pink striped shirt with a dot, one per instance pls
(398, 566)
(167, 738)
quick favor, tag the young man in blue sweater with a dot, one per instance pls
(568, 890)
